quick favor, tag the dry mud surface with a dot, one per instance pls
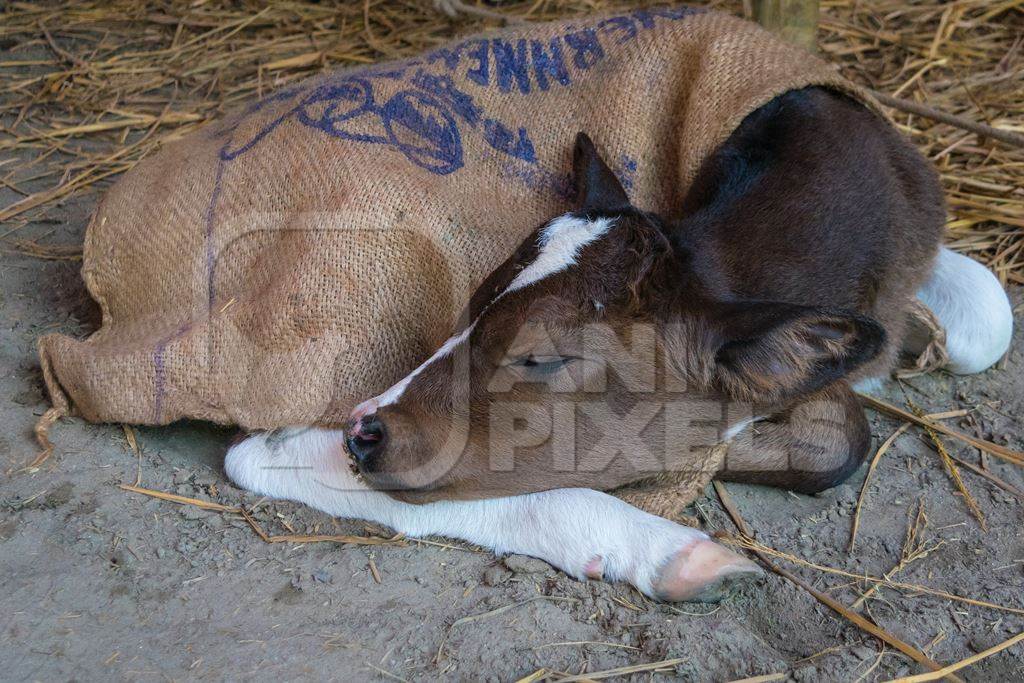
(102, 584)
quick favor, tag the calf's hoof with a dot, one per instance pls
(703, 572)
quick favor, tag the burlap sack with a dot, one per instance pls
(278, 266)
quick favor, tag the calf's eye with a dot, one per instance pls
(544, 365)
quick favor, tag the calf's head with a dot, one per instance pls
(601, 352)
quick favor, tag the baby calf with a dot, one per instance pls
(786, 277)
(615, 344)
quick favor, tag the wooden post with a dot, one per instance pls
(795, 20)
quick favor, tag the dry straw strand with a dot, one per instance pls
(1007, 454)
(914, 548)
(247, 516)
(867, 479)
(950, 466)
(760, 548)
(664, 666)
(945, 671)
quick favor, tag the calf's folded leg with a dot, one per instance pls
(812, 445)
(585, 533)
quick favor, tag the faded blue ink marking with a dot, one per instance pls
(586, 47)
(450, 55)
(211, 209)
(511, 64)
(412, 121)
(541, 179)
(561, 184)
(624, 27)
(419, 122)
(158, 381)
(516, 144)
(626, 171)
(480, 51)
(548, 63)
(160, 372)
(423, 122)
(445, 89)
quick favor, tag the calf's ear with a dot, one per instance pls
(776, 351)
(597, 188)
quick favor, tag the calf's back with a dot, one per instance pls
(815, 200)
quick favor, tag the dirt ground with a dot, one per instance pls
(100, 583)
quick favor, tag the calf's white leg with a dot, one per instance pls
(584, 533)
(972, 307)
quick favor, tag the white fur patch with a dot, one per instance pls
(565, 527)
(973, 308)
(872, 386)
(395, 392)
(560, 243)
(735, 430)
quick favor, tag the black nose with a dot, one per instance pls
(366, 440)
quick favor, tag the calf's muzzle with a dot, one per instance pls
(366, 440)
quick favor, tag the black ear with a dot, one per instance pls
(596, 185)
(776, 351)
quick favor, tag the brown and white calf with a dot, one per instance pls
(615, 344)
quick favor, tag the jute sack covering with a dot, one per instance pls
(278, 266)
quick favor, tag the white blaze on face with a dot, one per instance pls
(560, 243)
(395, 392)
